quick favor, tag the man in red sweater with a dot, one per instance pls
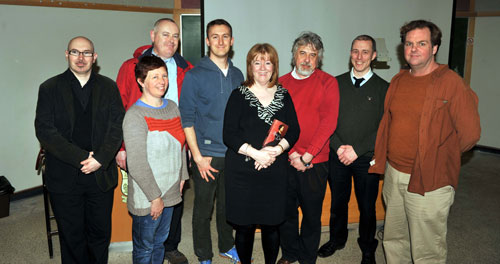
(315, 95)
(165, 37)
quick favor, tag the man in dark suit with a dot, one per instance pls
(79, 124)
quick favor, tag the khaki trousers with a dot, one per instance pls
(415, 225)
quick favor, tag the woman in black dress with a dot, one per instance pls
(256, 178)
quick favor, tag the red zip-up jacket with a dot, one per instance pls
(126, 81)
(127, 84)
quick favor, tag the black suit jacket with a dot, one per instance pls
(54, 126)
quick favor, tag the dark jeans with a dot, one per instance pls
(366, 190)
(148, 236)
(84, 221)
(245, 235)
(205, 194)
(307, 190)
(174, 236)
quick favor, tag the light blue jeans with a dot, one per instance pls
(148, 236)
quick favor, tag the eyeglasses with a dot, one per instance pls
(77, 53)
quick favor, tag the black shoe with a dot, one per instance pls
(368, 258)
(175, 257)
(328, 249)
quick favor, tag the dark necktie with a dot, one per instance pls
(357, 82)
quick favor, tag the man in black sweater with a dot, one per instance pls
(362, 95)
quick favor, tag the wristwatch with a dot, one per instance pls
(307, 164)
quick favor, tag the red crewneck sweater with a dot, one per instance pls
(316, 101)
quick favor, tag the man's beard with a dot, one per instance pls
(305, 72)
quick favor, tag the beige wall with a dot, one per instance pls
(32, 44)
(485, 80)
(279, 22)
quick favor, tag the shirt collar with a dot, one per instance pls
(167, 61)
(366, 77)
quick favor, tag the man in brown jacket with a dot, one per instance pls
(430, 118)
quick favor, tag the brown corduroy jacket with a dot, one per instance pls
(449, 126)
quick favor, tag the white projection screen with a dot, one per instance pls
(279, 22)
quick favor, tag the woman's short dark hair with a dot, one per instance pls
(262, 49)
(146, 64)
(435, 31)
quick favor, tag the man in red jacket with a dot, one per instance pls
(165, 37)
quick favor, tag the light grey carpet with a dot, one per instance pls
(473, 230)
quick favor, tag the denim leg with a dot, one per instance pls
(148, 236)
(174, 235)
(162, 234)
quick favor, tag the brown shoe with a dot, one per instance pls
(284, 261)
(175, 257)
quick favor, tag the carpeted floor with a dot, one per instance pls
(473, 229)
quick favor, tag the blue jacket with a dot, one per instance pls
(204, 96)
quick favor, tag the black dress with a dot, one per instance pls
(256, 197)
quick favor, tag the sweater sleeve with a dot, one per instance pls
(184, 172)
(187, 101)
(230, 132)
(135, 132)
(328, 113)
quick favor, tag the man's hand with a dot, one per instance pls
(121, 159)
(347, 154)
(204, 167)
(156, 208)
(297, 163)
(90, 164)
(294, 155)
